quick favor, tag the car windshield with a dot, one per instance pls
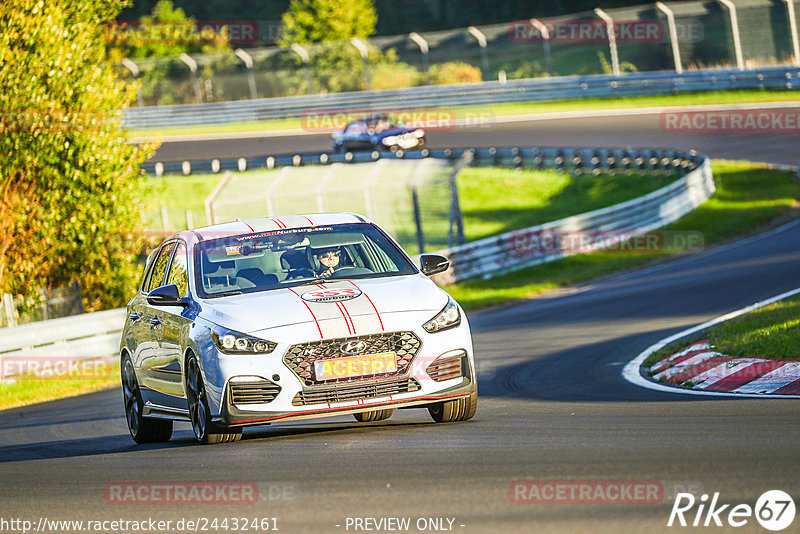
(382, 124)
(276, 259)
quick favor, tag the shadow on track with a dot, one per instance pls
(588, 373)
(122, 443)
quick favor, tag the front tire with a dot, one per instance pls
(142, 429)
(462, 409)
(376, 415)
(205, 431)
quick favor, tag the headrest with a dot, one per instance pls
(257, 277)
(222, 268)
(294, 259)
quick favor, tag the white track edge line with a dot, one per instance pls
(631, 371)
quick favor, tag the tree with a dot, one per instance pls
(318, 21)
(167, 31)
(69, 178)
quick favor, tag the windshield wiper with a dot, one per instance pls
(228, 294)
(314, 281)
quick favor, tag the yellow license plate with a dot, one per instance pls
(369, 364)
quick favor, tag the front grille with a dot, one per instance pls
(446, 367)
(254, 392)
(300, 358)
(360, 390)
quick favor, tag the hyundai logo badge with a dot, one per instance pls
(353, 347)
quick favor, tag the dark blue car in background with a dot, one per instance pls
(378, 132)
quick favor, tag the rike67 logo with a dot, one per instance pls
(774, 510)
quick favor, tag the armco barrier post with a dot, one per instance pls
(673, 35)
(423, 48)
(418, 219)
(612, 39)
(192, 64)
(456, 216)
(737, 43)
(362, 49)
(248, 63)
(300, 51)
(10, 310)
(793, 30)
(544, 31)
(481, 38)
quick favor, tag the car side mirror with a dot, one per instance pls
(433, 263)
(166, 296)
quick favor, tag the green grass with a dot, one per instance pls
(771, 332)
(28, 390)
(534, 197)
(504, 110)
(748, 196)
(178, 193)
(531, 197)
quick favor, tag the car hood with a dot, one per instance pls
(355, 304)
(393, 131)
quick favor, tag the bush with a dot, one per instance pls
(69, 179)
(394, 75)
(455, 72)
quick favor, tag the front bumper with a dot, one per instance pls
(295, 397)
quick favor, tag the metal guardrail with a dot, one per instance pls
(469, 94)
(589, 231)
(576, 159)
(53, 344)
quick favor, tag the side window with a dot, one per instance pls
(160, 267)
(179, 272)
(356, 127)
(386, 263)
(146, 271)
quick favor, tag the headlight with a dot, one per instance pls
(449, 317)
(419, 132)
(232, 342)
(391, 140)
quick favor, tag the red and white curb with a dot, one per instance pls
(700, 367)
(700, 370)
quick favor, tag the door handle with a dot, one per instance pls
(134, 316)
(155, 321)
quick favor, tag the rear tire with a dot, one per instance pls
(205, 431)
(142, 429)
(462, 409)
(377, 415)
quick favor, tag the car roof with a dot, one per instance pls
(266, 224)
(372, 118)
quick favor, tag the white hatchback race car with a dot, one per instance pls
(283, 318)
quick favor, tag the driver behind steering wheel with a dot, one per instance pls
(330, 261)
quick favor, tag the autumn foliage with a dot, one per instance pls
(69, 178)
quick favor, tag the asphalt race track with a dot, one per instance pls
(553, 404)
(636, 130)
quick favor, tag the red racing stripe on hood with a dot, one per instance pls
(319, 329)
(372, 303)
